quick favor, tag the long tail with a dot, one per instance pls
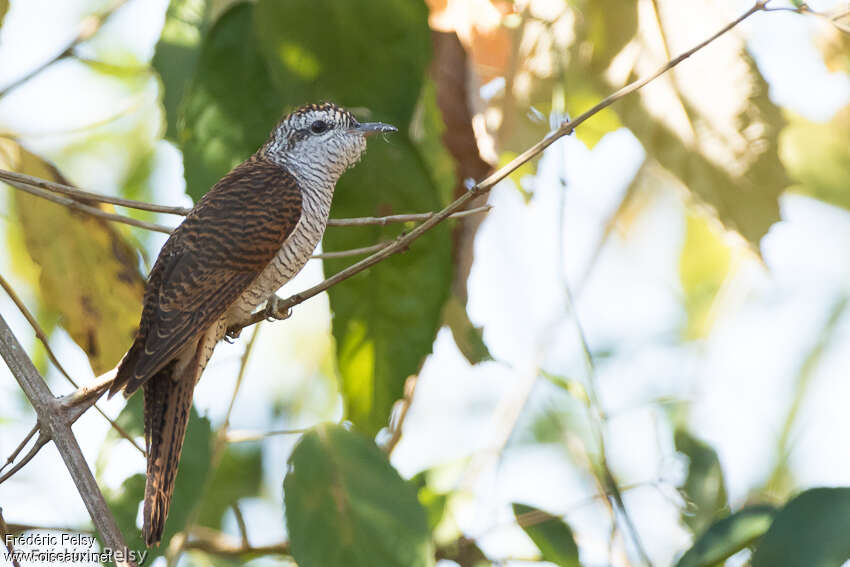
(168, 402)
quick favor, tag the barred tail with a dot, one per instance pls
(168, 402)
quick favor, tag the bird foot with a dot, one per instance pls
(231, 335)
(271, 310)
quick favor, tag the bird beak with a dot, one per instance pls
(372, 128)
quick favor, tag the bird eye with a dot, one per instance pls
(318, 126)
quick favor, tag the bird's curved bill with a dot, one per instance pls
(372, 128)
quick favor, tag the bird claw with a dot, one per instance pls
(231, 336)
(271, 309)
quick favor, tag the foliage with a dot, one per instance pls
(345, 505)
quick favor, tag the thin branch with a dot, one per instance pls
(403, 242)
(241, 436)
(19, 448)
(240, 521)
(42, 336)
(88, 209)
(351, 252)
(218, 543)
(13, 178)
(53, 422)
(416, 217)
(42, 440)
(396, 425)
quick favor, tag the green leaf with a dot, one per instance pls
(385, 319)
(230, 106)
(704, 486)
(346, 506)
(192, 473)
(177, 53)
(358, 53)
(552, 536)
(728, 536)
(810, 531)
(239, 475)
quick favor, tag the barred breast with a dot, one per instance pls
(291, 257)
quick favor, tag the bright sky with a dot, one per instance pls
(740, 381)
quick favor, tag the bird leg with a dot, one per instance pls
(271, 309)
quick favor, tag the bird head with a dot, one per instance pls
(320, 141)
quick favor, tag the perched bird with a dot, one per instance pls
(252, 232)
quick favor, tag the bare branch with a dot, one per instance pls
(416, 217)
(19, 448)
(4, 533)
(351, 252)
(39, 443)
(14, 178)
(53, 422)
(75, 205)
(242, 436)
(401, 409)
(218, 543)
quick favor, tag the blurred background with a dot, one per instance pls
(655, 309)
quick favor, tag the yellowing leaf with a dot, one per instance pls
(818, 157)
(88, 274)
(703, 267)
(709, 121)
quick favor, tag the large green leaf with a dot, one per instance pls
(385, 318)
(728, 536)
(552, 536)
(373, 54)
(346, 506)
(230, 106)
(358, 53)
(812, 530)
(177, 53)
(704, 486)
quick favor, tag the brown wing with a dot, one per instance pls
(209, 261)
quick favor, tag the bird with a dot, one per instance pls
(245, 238)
